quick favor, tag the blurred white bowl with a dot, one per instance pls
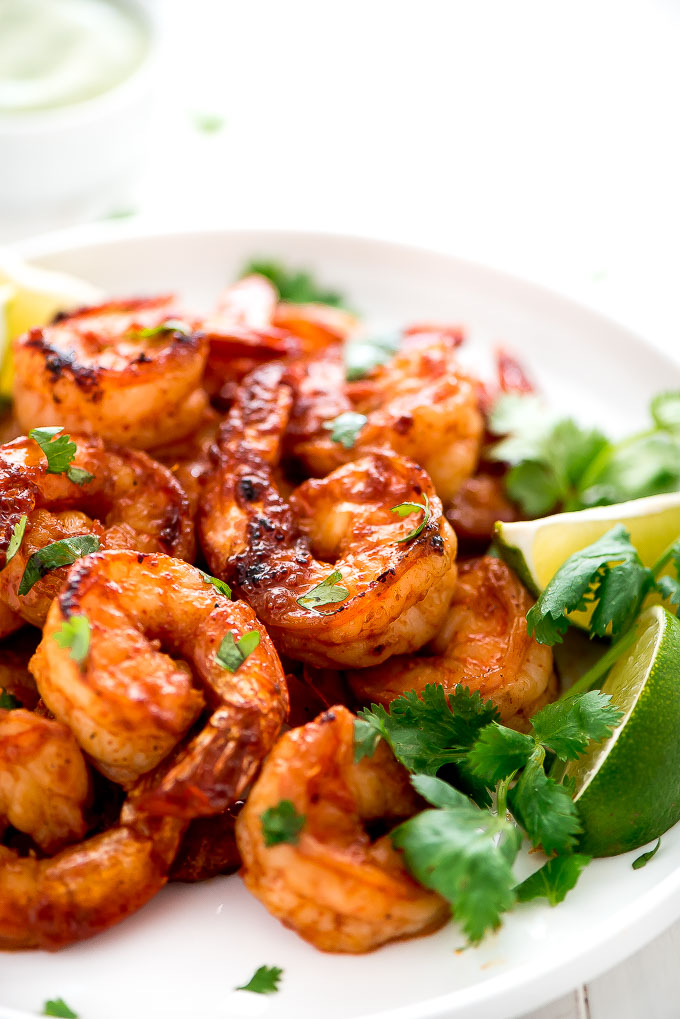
(78, 161)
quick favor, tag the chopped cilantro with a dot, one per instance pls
(644, 859)
(363, 355)
(327, 592)
(296, 286)
(60, 454)
(265, 980)
(8, 702)
(282, 823)
(16, 539)
(171, 325)
(51, 557)
(231, 654)
(554, 879)
(346, 427)
(406, 508)
(219, 585)
(59, 1008)
(75, 634)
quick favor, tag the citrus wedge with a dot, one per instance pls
(535, 549)
(627, 788)
(31, 297)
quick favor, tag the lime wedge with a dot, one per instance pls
(535, 549)
(31, 297)
(627, 788)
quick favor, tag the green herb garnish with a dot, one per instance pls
(296, 286)
(75, 634)
(554, 879)
(59, 1008)
(345, 427)
(60, 454)
(282, 823)
(406, 508)
(219, 585)
(644, 859)
(363, 355)
(16, 539)
(8, 702)
(328, 592)
(231, 654)
(171, 325)
(265, 980)
(51, 557)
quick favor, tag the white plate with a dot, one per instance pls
(183, 954)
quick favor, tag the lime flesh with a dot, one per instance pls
(627, 788)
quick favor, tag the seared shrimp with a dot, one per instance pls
(155, 625)
(44, 782)
(131, 502)
(420, 405)
(335, 886)
(388, 591)
(88, 887)
(483, 645)
(99, 371)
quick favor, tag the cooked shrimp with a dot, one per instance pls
(188, 460)
(483, 645)
(336, 887)
(394, 590)
(87, 887)
(9, 621)
(477, 505)
(96, 371)
(131, 502)
(44, 782)
(419, 404)
(156, 625)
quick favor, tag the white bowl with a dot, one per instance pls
(76, 161)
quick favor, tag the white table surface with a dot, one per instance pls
(538, 137)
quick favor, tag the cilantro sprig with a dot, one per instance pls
(16, 538)
(555, 462)
(231, 653)
(459, 754)
(59, 1008)
(60, 453)
(327, 592)
(282, 823)
(56, 554)
(345, 428)
(293, 285)
(265, 980)
(405, 509)
(74, 634)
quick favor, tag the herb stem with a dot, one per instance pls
(663, 559)
(602, 666)
(606, 455)
(502, 794)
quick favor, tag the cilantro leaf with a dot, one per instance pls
(231, 654)
(566, 727)
(454, 850)
(16, 539)
(327, 592)
(534, 487)
(545, 809)
(59, 1008)
(8, 702)
(346, 427)
(171, 325)
(218, 584)
(52, 556)
(406, 508)
(644, 859)
(665, 410)
(60, 454)
(282, 823)
(554, 879)
(607, 573)
(648, 464)
(428, 731)
(363, 355)
(75, 634)
(265, 980)
(366, 739)
(299, 287)
(499, 752)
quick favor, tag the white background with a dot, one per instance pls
(540, 137)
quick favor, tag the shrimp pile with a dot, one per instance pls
(215, 546)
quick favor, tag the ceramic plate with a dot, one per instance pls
(183, 954)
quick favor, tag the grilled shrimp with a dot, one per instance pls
(419, 404)
(44, 782)
(87, 887)
(483, 645)
(156, 624)
(389, 592)
(335, 887)
(99, 371)
(131, 502)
